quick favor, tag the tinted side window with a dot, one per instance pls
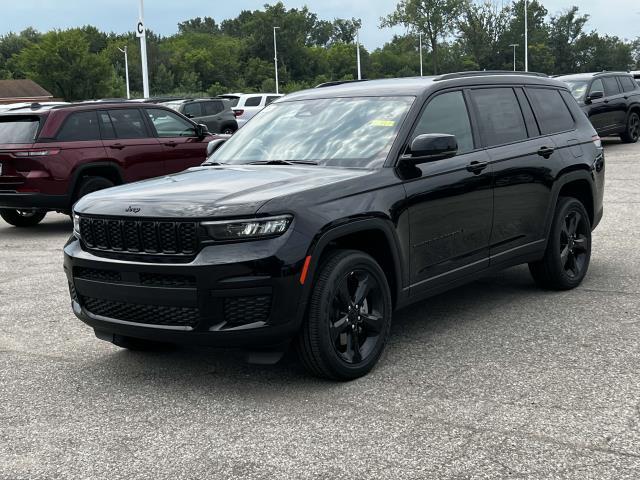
(168, 124)
(500, 116)
(552, 113)
(597, 86)
(106, 127)
(211, 108)
(192, 109)
(447, 113)
(128, 123)
(627, 83)
(253, 102)
(271, 99)
(80, 126)
(610, 86)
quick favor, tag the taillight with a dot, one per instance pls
(37, 153)
(238, 113)
(596, 141)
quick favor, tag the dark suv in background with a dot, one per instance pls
(51, 157)
(337, 205)
(215, 113)
(611, 100)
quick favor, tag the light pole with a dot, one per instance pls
(358, 54)
(526, 36)
(420, 40)
(126, 68)
(514, 45)
(275, 57)
(141, 32)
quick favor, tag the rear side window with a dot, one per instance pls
(552, 113)
(253, 102)
(212, 108)
(80, 126)
(231, 101)
(128, 123)
(501, 119)
(447, 113)
(271, 99)
(19, 129)
(192, 109)
(610, 86)
(627, 83)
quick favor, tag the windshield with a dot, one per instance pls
(578, 88)
(346, 132)
(18, 129)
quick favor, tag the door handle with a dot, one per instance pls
(477, 167)
(171, 144)
(606, 101)
(117, 146)
(546, 152)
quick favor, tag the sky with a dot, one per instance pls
(613, 17)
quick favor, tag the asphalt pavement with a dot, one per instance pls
(496, 379)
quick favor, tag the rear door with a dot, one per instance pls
(129, 142)
(519, 157)
(181, 146)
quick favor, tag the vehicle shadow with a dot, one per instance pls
(53, 225)
(207, 369)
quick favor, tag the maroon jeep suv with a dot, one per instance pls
(52, 156)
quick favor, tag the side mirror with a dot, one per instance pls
(431, 146)
(594, 96)
(214, 145)
(189, 115)
(201, 130)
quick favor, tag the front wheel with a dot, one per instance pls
(349, 317)
(632, 133)
(566, 259)
(23, 218)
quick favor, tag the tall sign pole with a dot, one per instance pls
(126, 69)
(526, 37)
(420, 37)
(141, 32)
(358, 54)
(275, 57)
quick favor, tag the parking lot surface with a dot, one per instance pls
(496, 379)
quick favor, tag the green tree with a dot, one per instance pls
(482, 27)
(436, 19)
(564, 32)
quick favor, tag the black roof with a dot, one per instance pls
(589, 75)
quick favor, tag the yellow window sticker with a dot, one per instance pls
(383, 123)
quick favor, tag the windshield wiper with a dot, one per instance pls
(213, 164)
(282, 162)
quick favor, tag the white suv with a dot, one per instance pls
(246, 105)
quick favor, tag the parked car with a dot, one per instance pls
(245, 106)
(611, 100)
(52, 156)
(336, 206)
(216, 114)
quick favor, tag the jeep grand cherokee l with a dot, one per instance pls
(335, 206)
(52, 156)
(611, 101)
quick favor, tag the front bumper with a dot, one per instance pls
(235, 295)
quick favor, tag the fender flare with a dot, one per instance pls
(80, 171)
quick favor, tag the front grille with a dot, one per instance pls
(161, 280)
(140, 236)
(244, 310)
(147, 314)
(97, 274)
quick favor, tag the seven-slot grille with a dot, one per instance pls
(140, 236)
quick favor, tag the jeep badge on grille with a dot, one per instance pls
(132, 209)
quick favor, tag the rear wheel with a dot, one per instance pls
(568, 253)
(92, 184)
(228, 130)
(23, 218)
(349, 317)
(632, 133)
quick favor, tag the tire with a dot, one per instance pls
(566, 259)
(92, 184)
(349, 317)
(139, 344)
(632, 133)
(23, 218)
(228, 131)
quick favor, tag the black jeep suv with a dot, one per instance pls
(334, 207)
(611, 100)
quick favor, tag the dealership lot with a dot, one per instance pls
(496, 379)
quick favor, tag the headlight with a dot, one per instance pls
(248, 229)
(76, 225)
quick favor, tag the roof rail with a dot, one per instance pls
(605, 72)
(338, 82)
(480, 73)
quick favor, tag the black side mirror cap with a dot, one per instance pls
(594, 96)
(430, 147)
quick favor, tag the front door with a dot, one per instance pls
(450, 201)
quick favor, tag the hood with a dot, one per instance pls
(202, 192)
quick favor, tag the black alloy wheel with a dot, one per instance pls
(574, 244)
(23, 218)
(349, 317)
(633, 129)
